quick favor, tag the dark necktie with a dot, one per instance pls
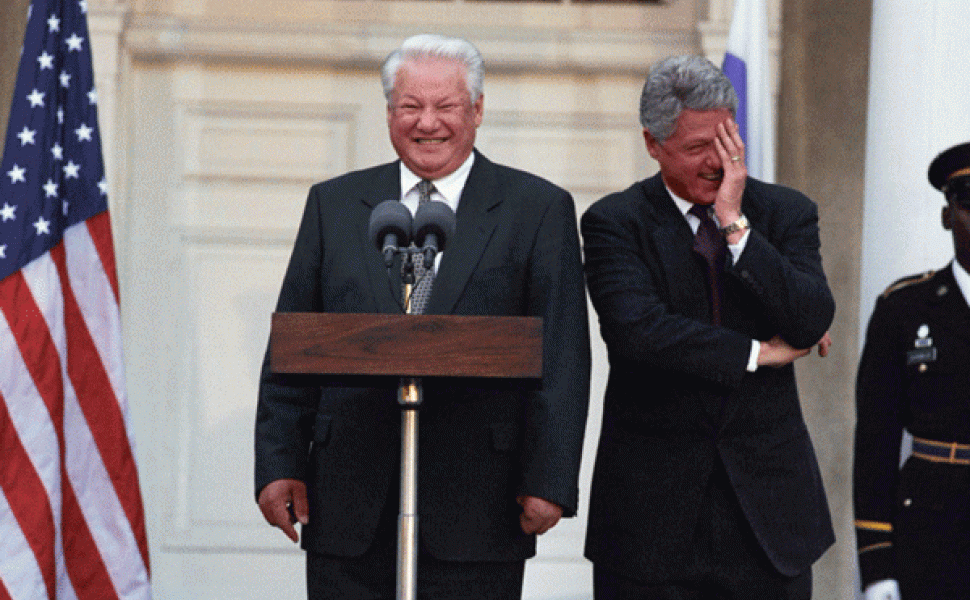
(710, 244)
(423, 274)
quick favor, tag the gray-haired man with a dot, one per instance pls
(708, 285)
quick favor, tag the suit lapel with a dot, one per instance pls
(477, 218)
(674, 246)
(386, 286)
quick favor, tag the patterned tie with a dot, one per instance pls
(710, 244)
(423, 276)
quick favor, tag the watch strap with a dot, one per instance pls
(739, 225)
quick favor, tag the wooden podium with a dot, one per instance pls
(410, 347)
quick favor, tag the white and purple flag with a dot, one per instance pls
(746, 63)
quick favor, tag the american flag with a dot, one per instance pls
(71, 517)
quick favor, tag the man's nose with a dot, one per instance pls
(711, 158)
(428, 119)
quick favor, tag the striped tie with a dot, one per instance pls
(423, 276)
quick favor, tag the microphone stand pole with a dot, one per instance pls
(409, 398)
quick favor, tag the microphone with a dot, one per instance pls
(434, 224)
(390, 228)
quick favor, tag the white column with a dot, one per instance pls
(919, 105)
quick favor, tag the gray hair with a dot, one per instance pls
(427, 46)
(680, 82)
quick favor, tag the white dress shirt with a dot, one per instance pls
(446, 189)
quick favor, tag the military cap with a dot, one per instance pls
(949, 163)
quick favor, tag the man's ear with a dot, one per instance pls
(946, 217)
(653, 146)
(478, 107)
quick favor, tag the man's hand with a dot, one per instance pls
(730, 149)
(886, 589)
(538, 515)
(823, 345)
(776, 352)
(276, 501)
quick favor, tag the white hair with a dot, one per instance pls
(427, 46)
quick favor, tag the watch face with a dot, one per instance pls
(741, 223)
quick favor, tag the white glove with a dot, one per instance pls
(887, 589)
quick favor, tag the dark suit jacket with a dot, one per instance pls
(679, 398)
(515, 252)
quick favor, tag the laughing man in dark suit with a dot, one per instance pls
(706, 484)
(499, 461)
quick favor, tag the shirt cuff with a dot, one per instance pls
(753, 357)
(737, 249)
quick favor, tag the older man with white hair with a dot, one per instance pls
(499, 460)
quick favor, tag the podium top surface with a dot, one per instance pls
(406, 345)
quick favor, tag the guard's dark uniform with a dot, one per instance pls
(913, 524)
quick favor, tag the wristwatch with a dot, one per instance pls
(740, 225)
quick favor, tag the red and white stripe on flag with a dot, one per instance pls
(72, 523)
(71, 516)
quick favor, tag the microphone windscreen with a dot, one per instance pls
(389, 217)
(434, 218)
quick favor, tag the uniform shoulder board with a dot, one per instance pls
(908, 281)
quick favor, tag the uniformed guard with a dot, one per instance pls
(913, 523)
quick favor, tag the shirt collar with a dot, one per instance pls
(963, 279)
(682, 204)
(447, 189)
